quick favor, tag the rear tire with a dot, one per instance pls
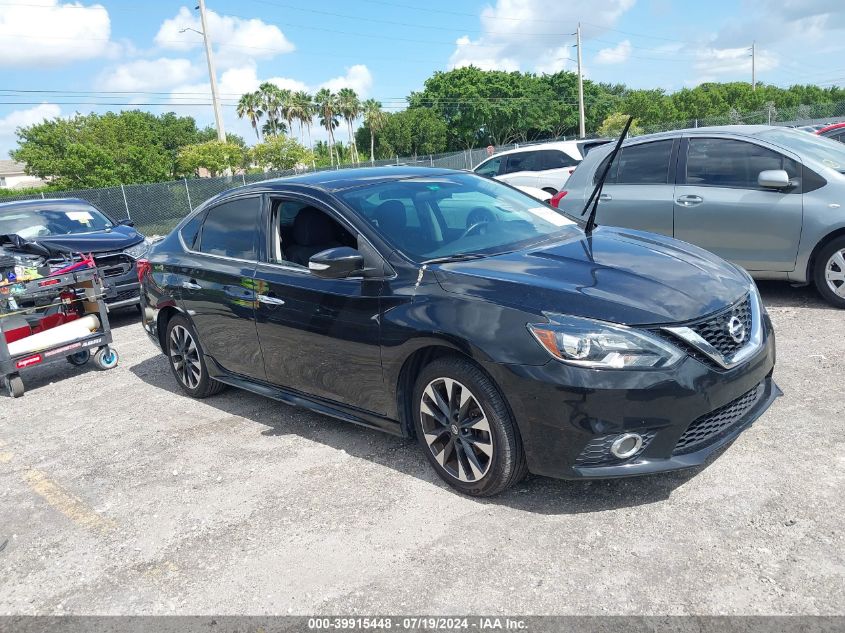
(829, 272)
(187, 361)
(465, 428)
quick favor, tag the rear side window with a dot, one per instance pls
(190, 232)
(521, 161)
(231, 229)
(553, 159)
(719, 162)
(490, 168)
(643, 164)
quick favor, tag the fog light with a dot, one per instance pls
(626, 445)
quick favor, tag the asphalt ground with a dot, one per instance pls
(119, 495)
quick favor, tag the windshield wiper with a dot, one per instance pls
(457, 257)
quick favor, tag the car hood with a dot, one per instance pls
(115, 239)
(617, 275)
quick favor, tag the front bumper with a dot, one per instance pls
(122, 288)
(565, 413)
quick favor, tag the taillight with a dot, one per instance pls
(144, 267)
(555, 201)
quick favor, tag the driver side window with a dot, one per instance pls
(301, 230)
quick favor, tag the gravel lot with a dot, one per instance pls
(118, 495)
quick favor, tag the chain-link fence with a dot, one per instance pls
(156, 208)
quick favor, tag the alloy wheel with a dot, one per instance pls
(456, 430)
(834, 273)
(185, 357)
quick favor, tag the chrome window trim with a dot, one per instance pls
(755, 341)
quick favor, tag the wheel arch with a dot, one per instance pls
(827, 239)
(414, 364)
(162, 318)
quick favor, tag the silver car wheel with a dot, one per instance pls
(456, 430)
(184, 356)
(834, 273)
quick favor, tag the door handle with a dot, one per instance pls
(605, 197)
(271, 300)
(688, 201)
(191, 285)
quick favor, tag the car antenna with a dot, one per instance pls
(594, 197)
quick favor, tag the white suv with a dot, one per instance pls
(546, 166)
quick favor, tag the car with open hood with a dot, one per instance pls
(64, 228)
(456, 309)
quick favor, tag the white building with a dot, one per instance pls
(13, 176)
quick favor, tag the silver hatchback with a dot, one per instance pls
(767, 198)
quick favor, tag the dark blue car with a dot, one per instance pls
(74, 225)
(446, 306)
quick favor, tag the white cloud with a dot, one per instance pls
(357, 77)
(45, 33)
(715, 62)
(148, 74)
(525, 34)
(24, 118)
(615, 55)
(235, 40)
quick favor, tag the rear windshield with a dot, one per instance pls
(824, 150)
(32, 222)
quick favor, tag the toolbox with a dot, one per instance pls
(59, 317)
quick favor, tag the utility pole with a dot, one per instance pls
(212, 75)
(582, 130)
(753, 66)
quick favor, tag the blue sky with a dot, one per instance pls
(125, 52)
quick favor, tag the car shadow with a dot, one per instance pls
(780, 294)
(539, 495)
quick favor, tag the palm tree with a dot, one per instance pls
(250, 107)
(286, 107)
(272, 103)
(349, 106)
(303, 111)
(272, 128)
(326, 102)
(375, 118)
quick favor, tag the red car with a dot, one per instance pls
(835, 131)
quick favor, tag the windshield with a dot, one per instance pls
(454, 214)
(824, 150)
(31, 223)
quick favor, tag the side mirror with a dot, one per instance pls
(126, 222)
(773, 179)
(337, 263)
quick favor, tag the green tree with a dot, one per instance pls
(613, 125)
(97, 150)
(349, 107)
(374, 118)
(280, 152)
(250, 107)
(214, 156)
(327, 109)
(413, 132)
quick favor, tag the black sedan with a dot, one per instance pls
(442, 305)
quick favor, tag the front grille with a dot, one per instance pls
(114, 265)
(716, 332)
(597, 452)
(126, 295)
(716, 424)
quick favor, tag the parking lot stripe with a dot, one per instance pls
(66, 503)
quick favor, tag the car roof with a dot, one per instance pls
(340, 179)
(562, 145)
(44, 203)
(829, 128)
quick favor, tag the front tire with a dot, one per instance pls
(465, 428)
(829, 273)
(187, 362)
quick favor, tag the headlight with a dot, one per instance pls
(601, 345)
(138, 250)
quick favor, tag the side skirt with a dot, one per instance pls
(312, 403)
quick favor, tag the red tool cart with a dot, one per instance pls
(59, 317)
